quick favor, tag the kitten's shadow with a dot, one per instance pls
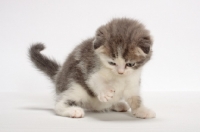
(39, 109)
(101, 116)
(111, 116)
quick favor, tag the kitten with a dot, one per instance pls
(102, 71)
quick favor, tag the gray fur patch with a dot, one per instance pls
(71, 103)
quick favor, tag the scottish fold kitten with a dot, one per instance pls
(101, 71)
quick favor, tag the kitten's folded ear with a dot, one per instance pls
(97, 42)
(99, 38)
(145, 44)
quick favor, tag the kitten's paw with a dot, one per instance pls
(106, 95)
(75, 112)
(144, 113)
(120, 107)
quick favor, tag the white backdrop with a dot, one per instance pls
(63, 24)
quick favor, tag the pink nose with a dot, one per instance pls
(121, 71)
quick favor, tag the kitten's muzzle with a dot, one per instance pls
(120, 70)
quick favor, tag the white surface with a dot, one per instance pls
(63, 24)
(26, 112)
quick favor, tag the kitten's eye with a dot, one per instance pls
(130, 64)
(112, 63)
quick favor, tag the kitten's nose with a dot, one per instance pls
(120, 71)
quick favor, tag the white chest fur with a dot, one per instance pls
(124, 85)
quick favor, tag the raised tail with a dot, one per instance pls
(48, 66)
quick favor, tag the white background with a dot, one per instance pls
(27, 96)
(63, 24)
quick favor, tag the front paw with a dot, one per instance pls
(106, 95)
(144, 113)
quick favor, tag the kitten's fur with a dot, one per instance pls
(101, 71)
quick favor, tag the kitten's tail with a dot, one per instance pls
(48, 66)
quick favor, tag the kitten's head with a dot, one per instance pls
(123, 45)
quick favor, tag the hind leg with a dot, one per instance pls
(63, 108)
(120, 107)
(70, 101)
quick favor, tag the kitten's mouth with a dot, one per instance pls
(121, 74)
